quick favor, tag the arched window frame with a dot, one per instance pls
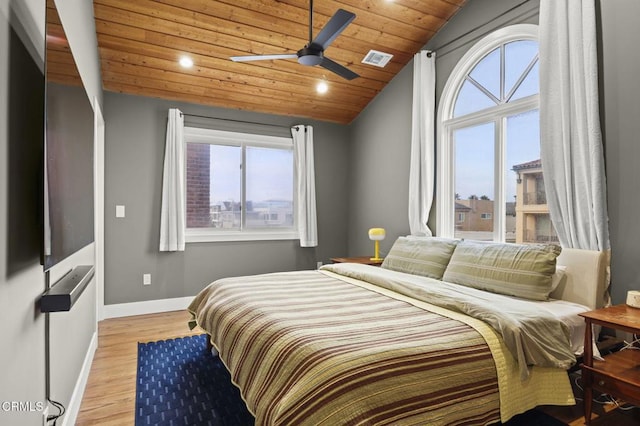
(447, 124)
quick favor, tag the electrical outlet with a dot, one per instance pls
(318, 264)
(45, 414)
(146, 279)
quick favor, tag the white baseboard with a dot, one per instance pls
(146, 307)
(78, 391)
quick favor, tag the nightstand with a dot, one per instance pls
(619, 373)
(366, 260)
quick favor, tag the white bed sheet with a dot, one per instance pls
(568, 312)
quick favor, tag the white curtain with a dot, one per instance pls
(306, 209)
(172, 216)
(422, 170)
(570, 136)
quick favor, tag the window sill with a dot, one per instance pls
(207, 236)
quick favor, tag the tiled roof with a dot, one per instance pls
(535, 164)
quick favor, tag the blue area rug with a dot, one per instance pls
(180, 383)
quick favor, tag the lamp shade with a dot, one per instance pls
(377, 234)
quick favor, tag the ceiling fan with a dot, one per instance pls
(313, 52)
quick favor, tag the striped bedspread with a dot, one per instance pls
(310, 348)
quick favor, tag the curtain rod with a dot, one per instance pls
(472, 30)
(236, 120)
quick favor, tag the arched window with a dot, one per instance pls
(490, 183)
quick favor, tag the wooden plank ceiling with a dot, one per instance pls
(141, 41)
(60, 68)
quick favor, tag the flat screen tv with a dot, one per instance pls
(69, 151)
(25, 129)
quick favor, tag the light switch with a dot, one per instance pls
(146, 279)
(119, 211)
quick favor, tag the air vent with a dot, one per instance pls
(378, 59)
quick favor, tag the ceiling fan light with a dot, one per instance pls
(309, 60)
(309, 57)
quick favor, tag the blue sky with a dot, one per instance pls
(475, 155)
(269, 173)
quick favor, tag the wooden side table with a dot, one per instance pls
(619, 373)
(366, 260)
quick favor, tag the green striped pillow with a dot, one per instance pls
(426, 256)
(521, 270)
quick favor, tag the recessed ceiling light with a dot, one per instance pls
(322, 87)
(186, 62)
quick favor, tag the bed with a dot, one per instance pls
(360, 344)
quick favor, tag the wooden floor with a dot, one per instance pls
(109, 398)
(110, 395)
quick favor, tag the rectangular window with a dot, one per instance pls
(239, 186)
(485, 215)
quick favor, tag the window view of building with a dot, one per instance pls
(477, 218)
(533, 223)
(527, 219)
(491, 129)
(235, 184)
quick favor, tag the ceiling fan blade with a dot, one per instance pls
(338, 69)
(263, 57)
(333, 28)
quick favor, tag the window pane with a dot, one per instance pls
(269, 187)
(487, 73)
(471, 99)
(213, 186)
(517, 56)
(198, 176)
(525, 181)
(523, 147)
(226, 186)
(530, 85)
(474, 181)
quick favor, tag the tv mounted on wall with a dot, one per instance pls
(69, 151)
(25, 129)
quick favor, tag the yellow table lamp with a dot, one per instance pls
(376, 235)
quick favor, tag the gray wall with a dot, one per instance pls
(382, 201)
(379, 166)
(22, 327)
(135, 137)
(620, 90)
